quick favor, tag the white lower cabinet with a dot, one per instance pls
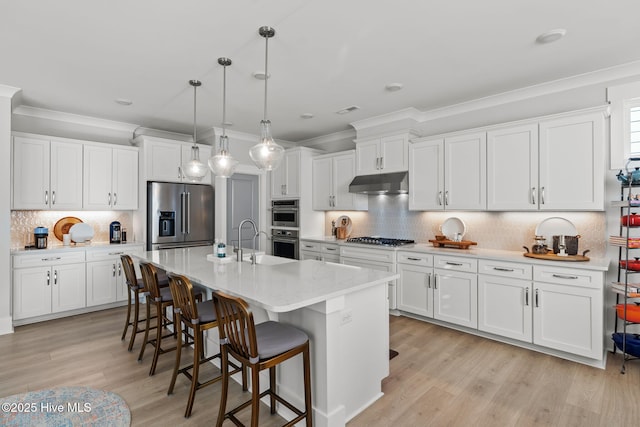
(415, 293)
(56, 285)
(455, 296)
(105, 276)
(329, 252)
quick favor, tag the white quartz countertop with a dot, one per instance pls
(59, 248)
(276, 288)
(599, 264)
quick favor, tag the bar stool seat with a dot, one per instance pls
(258, 347)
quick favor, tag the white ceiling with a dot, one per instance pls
(78, 56)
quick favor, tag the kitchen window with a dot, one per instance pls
(625, 122)
(633, 115)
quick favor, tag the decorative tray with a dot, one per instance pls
(464, 244)
(64, 225)
(555, 257)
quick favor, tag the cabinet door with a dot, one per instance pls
(68, 287)
(455, 297)
(31, 292)
(66, 175)
(414, 290)
(344, 170)
(98, 168)
(122, 290)
(572, 163)
(292, 181)
(125, 180)
(30, 173)
(426, 175)
(505, 307)
(466, 172)
(367, 157)
(310, 255)
(512, 168)
(568, 318)
(163, 161)
(101, 282)
(394, 154)
(322, 195)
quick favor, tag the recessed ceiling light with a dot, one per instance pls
(551, 36)
(393, 87)
(123, 101)
(259, 75)
(306, 116)
(348, 109)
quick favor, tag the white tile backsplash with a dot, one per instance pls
(389, 216)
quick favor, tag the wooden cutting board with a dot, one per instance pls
(464, 244)
(556, 257)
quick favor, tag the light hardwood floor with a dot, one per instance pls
(440, 378)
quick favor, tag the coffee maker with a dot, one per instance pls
(114, 232)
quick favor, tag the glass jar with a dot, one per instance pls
(539, 245)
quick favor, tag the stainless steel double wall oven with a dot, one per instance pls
(285, 223)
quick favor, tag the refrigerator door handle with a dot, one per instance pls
(187, 213)
(182, 211)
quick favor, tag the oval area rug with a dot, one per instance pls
(64, 406)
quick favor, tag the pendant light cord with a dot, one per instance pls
(224, 100)
(266, 74)
(195, 138)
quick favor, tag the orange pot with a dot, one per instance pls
(633, 312)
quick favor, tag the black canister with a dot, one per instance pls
(40, 237)
(114, 232)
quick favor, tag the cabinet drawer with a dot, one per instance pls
(415, 258)
(456, 263)
(330, 249)
(44, 259)
(505, 269)
(568, 276)
(310, 246)
(111, 253)
(372, 255)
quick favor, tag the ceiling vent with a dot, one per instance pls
(348, 109)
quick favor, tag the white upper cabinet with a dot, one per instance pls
(285, 180)
(111, 178)
(47, 174)
(449, 173)
(512, 168)
(164, 160)
(382, 155)
(332, 175)
(572, 163)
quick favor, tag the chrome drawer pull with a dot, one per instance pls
(503, 269)
(331, 249)
(48, 278)
(414, 259)
(454, 263)
(562, 276)
(51, 259)
(116, 253)
(526, 296)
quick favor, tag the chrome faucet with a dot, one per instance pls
(255, 229)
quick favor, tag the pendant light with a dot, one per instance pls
(267, 154)
(223, 164)
(194, 169)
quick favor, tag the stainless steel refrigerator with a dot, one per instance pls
(179, 215)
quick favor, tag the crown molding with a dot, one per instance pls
(408, 114)
(8, 91)
(42, 113)
(340, 136)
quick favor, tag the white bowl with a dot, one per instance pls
(81, 232)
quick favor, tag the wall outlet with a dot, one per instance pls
(347, 316)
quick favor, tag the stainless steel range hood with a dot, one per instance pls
(384, 183)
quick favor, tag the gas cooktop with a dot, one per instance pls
(380, 241)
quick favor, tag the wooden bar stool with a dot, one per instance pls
(200, 317)
(161, 299)
(258, 347)
(136, 287)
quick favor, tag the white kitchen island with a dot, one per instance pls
(343, 309)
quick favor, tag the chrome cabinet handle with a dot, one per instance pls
(427, 280)
(331, 249)
(54, 258)
(453, 263)
(537, 299)
(440, 198)
(377, 163)
(114, 270)
(179, 172)
(55, 277)
(46, 197)
(414, 259)
(116, 253)
(446, 197)
(503, 269)
(381, 163)
(53, 197)
(526, 296)
(542, 195)
(109, 198)
(115, 199)
(533, 195)
(48, 278)
(119, 269)
(563, 276)
(435, 281)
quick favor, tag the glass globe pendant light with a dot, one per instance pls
(194, 169)
(223, 164)
(267, 154)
